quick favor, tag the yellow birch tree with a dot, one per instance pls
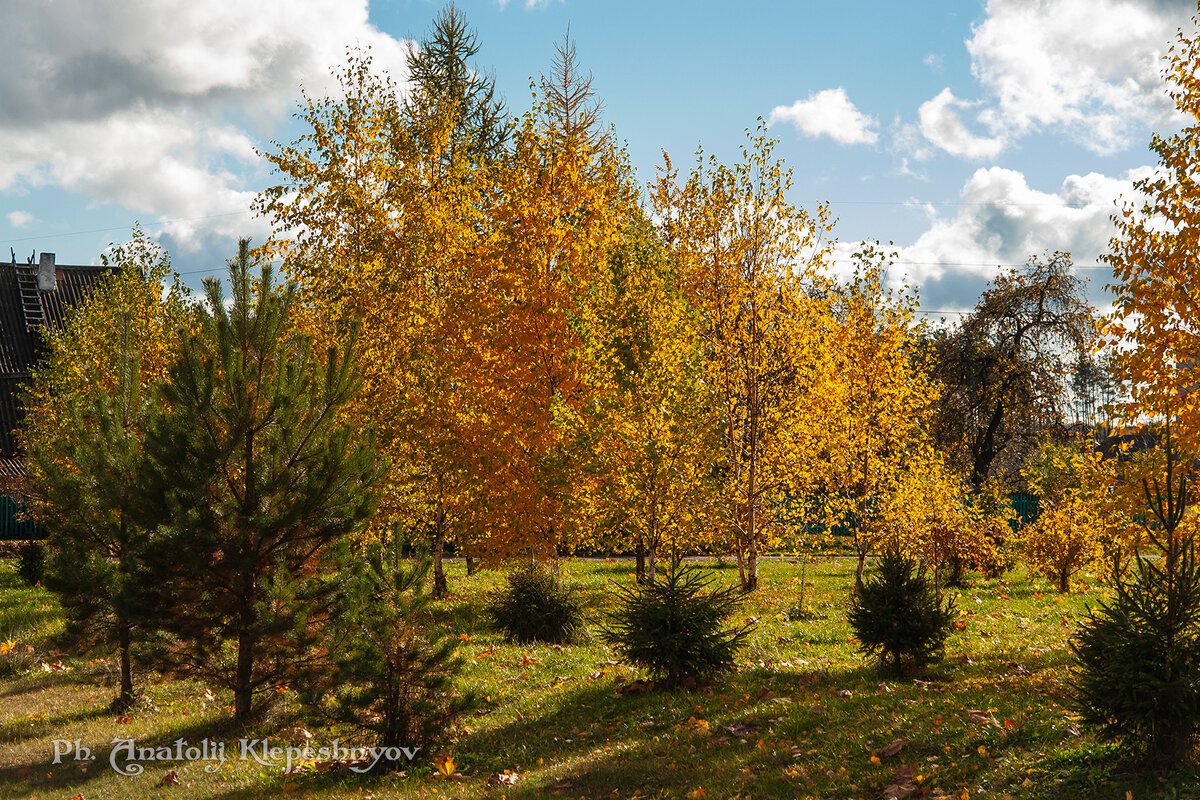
(1155, 323)
(655, 441)
(881, 397)
(379, 220)
(745, 255)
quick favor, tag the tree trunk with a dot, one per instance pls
(641, 559)
(472, 565)
(440, 590)
(651, 562)
(1064, 581)
(243, 687)
(861, 547)
(751, 583)
(741, 557)
(750, 577)
(124, 699)
(957, 571)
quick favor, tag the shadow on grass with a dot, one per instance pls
(28, 684)
(604, 742)
(27, 780)
(44, 725)
(636, 743)
(24, 607)
(32, 682)
(463, 615)
(1093, 770)
(16, 616)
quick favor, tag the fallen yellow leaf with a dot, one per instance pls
(445, 764)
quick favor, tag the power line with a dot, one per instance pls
(198, 271)
(241, 212)
(158, 224)
(918, 203)
(966, 264)
(910, 203)
(895, 264)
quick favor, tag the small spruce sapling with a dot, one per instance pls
(899, 616)
(675, 629)
(1138, 673)
(391, 668)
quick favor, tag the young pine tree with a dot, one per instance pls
(253, 477)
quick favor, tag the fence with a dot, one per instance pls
(1026, 506)
(13, 525)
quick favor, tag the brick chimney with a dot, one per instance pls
(46, 278)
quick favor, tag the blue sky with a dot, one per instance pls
(971, 134)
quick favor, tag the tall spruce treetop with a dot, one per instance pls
(256, 477)
(440, 70)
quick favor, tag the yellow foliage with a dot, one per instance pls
(1155, 258)
(1111, 488)
(136, 314)
(378, 221)
(1067, 537)
(561, 201)
(654, 430)
(877, 398)
(745, 255)
(474, 286)
(927, 511)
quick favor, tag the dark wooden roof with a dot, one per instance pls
(25, 310)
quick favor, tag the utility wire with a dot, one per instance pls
(910, 203)
(966, 264)
(158, 224)
(918, 203)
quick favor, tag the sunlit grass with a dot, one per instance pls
(803, 717)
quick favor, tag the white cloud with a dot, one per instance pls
(530, 5)
(1001, 220)
(828, 113)
(1087, 69)
(20, 219)
(155, 106)
(1090, 68)
(941, 125)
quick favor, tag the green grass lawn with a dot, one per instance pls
(804, 716)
